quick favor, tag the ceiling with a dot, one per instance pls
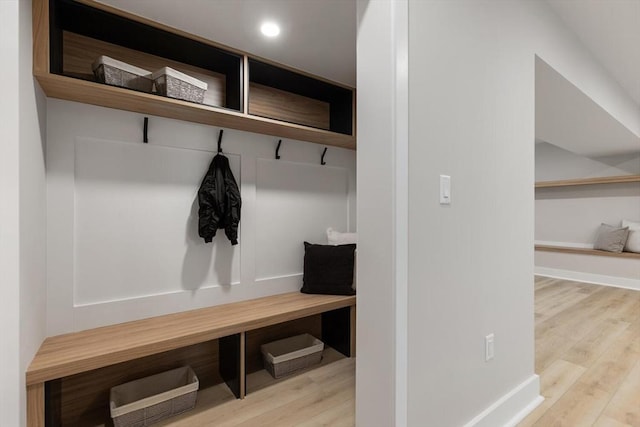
(610, 29)
(568, 118)
(317, 36)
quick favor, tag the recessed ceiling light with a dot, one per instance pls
(270, 29)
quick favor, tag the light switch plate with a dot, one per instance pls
(445, 190)
(489, 347)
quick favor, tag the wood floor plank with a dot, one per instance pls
(624, 407)
(587, 354)
(554, 383)
(580, 406)
(595, 343)
(558, 303)
(605, 421)
(610, 369)
(342, 415)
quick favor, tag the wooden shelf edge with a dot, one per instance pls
(589, 181)
(584, 251)
(67, 88)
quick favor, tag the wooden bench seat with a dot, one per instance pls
(80, 352)
(585, 251)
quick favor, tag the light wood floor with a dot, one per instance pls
(322, 396)
(587, 355)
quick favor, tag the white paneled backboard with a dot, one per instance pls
(136, 223)
(296, 202)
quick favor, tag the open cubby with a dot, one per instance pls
(80, 34)
(83, 399)
(283, 94)
(244, 93)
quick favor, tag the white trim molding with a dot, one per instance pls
(596, 279)
(511, 408)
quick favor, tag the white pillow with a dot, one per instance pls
(633, 241)
(337, 238)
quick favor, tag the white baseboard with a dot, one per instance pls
(511, 408)
(596, 279)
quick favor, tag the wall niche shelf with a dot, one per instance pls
(244, 92)
(622, 179)
(585, 251)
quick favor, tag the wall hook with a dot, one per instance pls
(322, 162)
(278, 150)
(220, 141)
(145, 128)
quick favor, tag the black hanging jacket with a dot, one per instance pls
(220, 201)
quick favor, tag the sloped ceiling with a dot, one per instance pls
(568, 118)
(610, 29)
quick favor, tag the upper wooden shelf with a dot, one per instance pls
(589, 181)
(73, 353)
(244, 92)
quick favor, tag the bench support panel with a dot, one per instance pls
(231, 350)
(336, 330)
(35, 405)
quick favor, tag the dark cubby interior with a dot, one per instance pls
(339, 98)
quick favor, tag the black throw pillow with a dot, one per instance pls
(328, 269)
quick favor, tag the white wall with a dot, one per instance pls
(471, 263)
(571, 216)
(32, 204)
(381, 360)
(9, 217)
(471, 115)
(122, 215)
(601, 270)
(22, 211)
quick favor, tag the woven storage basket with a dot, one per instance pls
(284, 357)
(148, 400)
(117, 73)
(175, 84)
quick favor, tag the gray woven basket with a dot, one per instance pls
(175, 84)
(279, 370)
(151, 399)
(117, 73)
(292, 354)
(158, 412)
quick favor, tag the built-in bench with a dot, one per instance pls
(79, 354)
(585, 251)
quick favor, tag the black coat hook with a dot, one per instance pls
(278, 150)
(322, 162)
(220, 141)
(145, 137)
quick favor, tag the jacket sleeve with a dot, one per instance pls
(208, 218)
(233, 205)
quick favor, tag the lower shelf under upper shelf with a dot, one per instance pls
(87, 92)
